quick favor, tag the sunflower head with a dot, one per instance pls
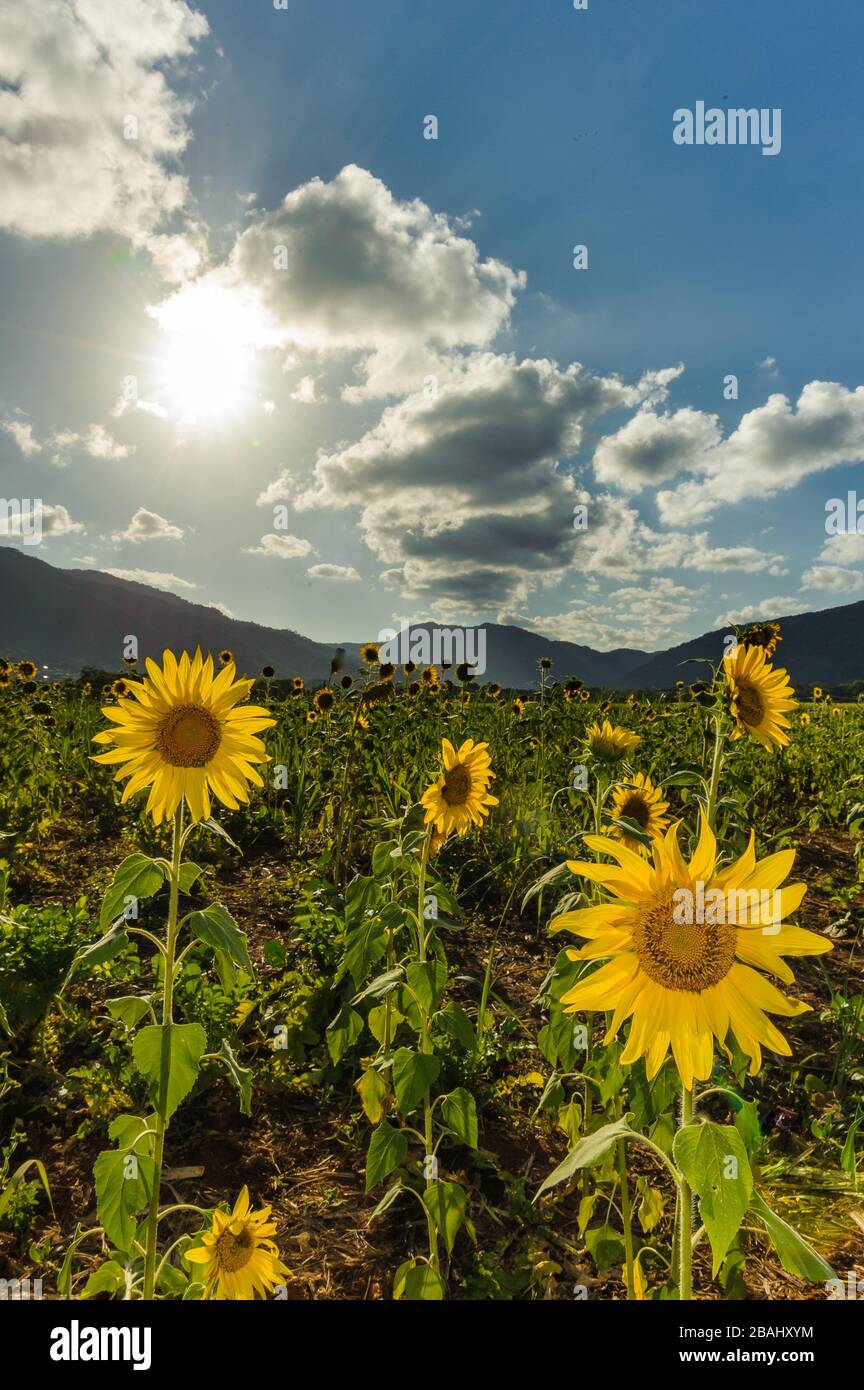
(268, 672)
(226, 657)
(185, 734)
(460, 798)
(369, 653)
(759, 696)
(27, 670)
(465, 672)
(429, 675)
(409, 668)
(610, 743)
(518, 707)
(346, 682)
(681, 941)
(298, 684)
(238, 1259)
(324, 700)
(386, 671)
(414, 688)
(805, 718)
(763, 635)
(817, 692)
(640, 801)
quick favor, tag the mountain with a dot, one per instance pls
(71, 619)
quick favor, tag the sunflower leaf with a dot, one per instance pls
(593, 1149)
(714, 1161)
(215, 926)
(240, 1075)
(387, 1148)
(168, 1055)
(795, 1254)
(137, 877)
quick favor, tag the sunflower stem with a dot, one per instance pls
(426, 1048)
(685, 1212)
(167, 1019)
(626, 1219)
(716, 767)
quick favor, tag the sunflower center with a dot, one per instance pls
(457, 785)
(636, 808)
(234, 1251)
(750, 706)
(689, 956)
(188, 737)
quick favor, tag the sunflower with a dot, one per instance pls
(429, 675)
(268, 672)
(346, 682)
(585, 695)
(4, 665)
(4, 678)
(465, 671)
(409, 668)
(27, 670)
(760, 696)
(460, 798)
(817, 692)
(805, 718)
(130, 661)
(369, 653)
(518, 707)
(764, 635)
(837, 710)
(414, 688)
(324, 700)
(311, 716)
(608, 743)
(493, 691)
(226, 657)
(386, 671)
(686, 976)
(298, 684)
(186, 734)
(640, 801)
(239, 1261)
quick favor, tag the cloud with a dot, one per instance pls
(647, 616)
(774, 448)
(90, 130)
(148, 526)
(306, 392)
(460, 489)
(54, 521)
(345, 266)
(281, 547)
(96, 441)
(765, 608)
(282, 489)
(652, 448)
(22, 432)
(157, 579)
(346, 574)
(831, 570)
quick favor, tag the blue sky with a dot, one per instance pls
(402, 390)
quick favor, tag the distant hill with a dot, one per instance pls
(71, 619)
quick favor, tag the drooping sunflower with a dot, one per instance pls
(239, 1260)
(460, 798)
(685, 976)
(760, 696)
(184, 733)
(640, 801)
(764, 635)
(608, 743)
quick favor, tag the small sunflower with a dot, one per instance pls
(324, 700)
(465, 671)
(817, 692)
(226, 657)
(584, 696)
(640, 801)
(4, 678)
(369, 653)
(4, 665)
(805, 718)
(27, 670)
(185, 734)
(239, 1260)
(429, 675)
(130, 661)
(346, 682)
(493, 691)
(687, 978)
(760, 696)
(409, 668)
(386, 671)
(518, 707)
(311, 716)
(460, 798)
(610, 743)
(298, 684)
(838, 711)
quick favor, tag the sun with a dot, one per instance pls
(208, 366)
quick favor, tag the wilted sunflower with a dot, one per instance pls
(27, 670)
(545, 663)
(460, 798)
(186, 734)
(764, 635)
(608, 743)
(29, 687)
(642, 802)
(324, 700)
(239, 1261)
(684, 976)
(760, 696)
(369, 653)
(226, 657)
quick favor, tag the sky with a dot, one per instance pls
(339, 316)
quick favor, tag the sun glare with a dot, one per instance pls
(207, 369)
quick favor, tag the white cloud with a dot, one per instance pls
(652, 448)
(96, 441)
(282, 489)
(77, 79)
(346, 574)
(767, 608)
(157, 579)
(148, 526)
(648, 616)
(22, 432)
(833, 578)
(306, 392)
(54, 520)
(281, 547)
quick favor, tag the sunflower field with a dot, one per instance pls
(411, 987)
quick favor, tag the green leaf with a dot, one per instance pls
(382, 985)
(387, 1149)
(111, 944)
(605, 1247)
(373, 1091)
(217, 928)
(168, 1055)
(413, 1074)
(241, 1076)
(460, 1113)
(796, 1255)
(108, 1278)
(216, 829)
(418, 1282)
(364, 947)
(343, 1032)
(714, 1162)
(137, 877)
(445, 1203)
(377, 1023)
(455, 1022)
(124, 1183)
(129, 1008)
(428, 980)
(593, 1149)
(189, 875)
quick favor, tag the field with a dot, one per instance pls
(366, 1022)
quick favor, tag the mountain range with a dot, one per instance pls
(68, 620)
